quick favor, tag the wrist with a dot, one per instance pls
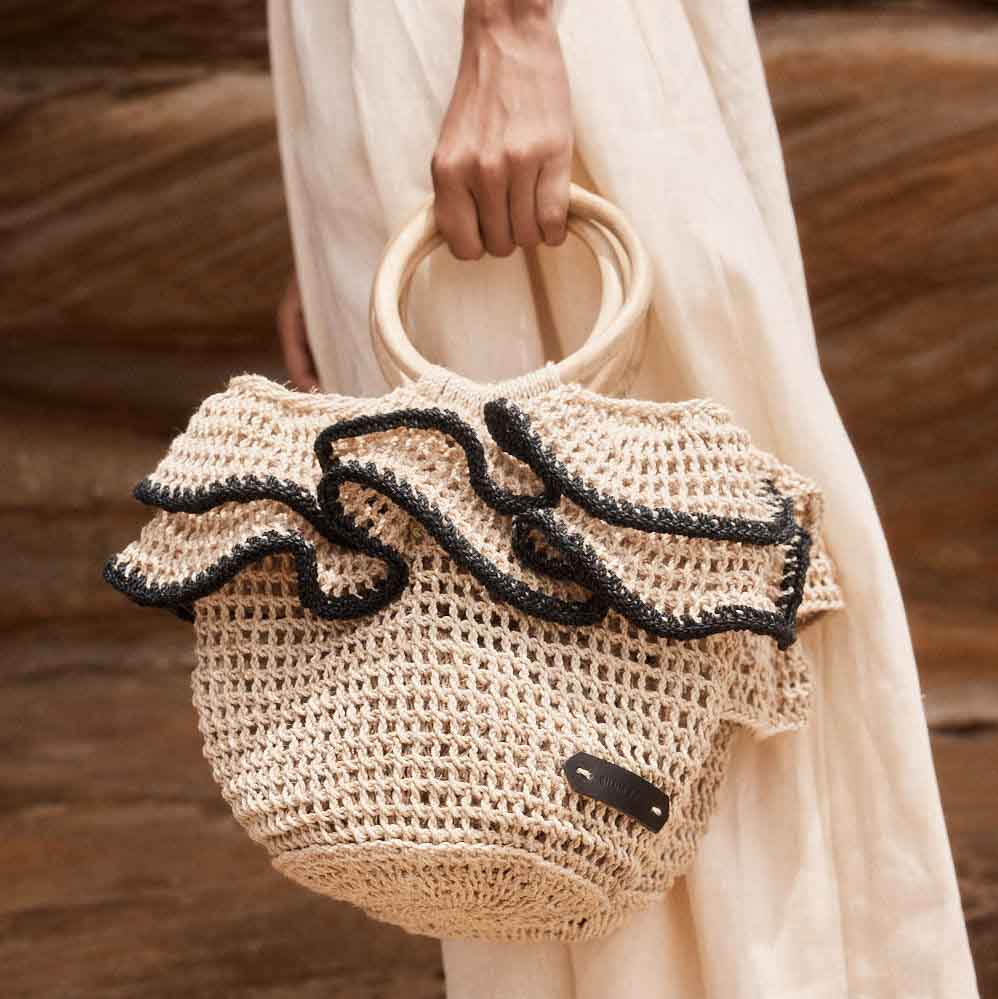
(490, 13)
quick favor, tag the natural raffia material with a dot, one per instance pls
(410, 611)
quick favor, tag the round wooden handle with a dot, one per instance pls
(625, 274)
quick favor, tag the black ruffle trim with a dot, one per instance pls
(180, 597)
(530, 513)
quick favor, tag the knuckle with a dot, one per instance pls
(438, 167)
(551, 150)
(446, 165)
(552, 211)
(522, 154)
(552, 207)
(554, 149)
(490, 169)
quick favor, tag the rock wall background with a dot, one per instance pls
(143, 246)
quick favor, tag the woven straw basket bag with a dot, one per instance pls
(471, 656)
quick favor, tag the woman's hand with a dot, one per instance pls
(294, 339)
(502, 165)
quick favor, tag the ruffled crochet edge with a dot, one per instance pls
(530, 514)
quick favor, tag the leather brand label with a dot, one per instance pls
(619, 788)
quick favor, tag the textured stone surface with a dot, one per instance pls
(122, 33)
(155, 211)
(144, 247)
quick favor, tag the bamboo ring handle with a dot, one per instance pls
(624, 267)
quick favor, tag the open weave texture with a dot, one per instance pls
(398, 643)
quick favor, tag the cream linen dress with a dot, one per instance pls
(826, 869)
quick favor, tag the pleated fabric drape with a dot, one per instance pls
(826, 870)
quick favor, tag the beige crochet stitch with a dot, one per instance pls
(408, 758)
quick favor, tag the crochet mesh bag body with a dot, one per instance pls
(410, 611)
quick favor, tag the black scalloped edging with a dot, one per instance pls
(180, 597)
(577, 561)
(511, 431)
